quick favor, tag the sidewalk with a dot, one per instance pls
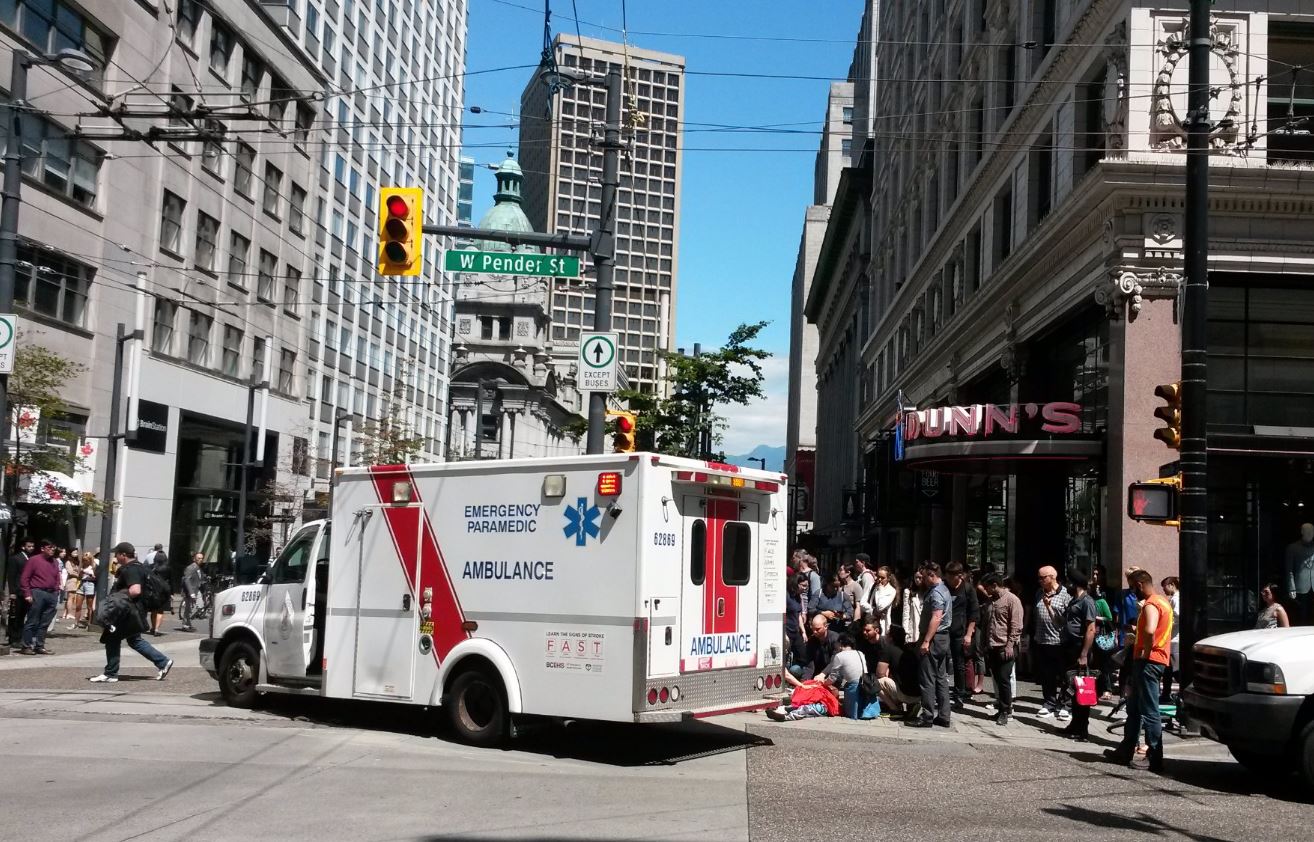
(125, 703)
(976, 726)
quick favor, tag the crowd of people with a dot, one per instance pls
(862, 644)
(43, 585)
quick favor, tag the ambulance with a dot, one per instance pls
(627, 587)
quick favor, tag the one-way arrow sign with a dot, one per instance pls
(597, 362)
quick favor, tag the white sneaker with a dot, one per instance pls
(164, 670)
(990, 707)
(1062, 716)
(1044, 713)
(104, 679)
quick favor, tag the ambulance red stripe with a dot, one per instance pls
(448, 618)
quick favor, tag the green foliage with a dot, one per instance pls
(39, 375)
(389, 441)
(731, 374)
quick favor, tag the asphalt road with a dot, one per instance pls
(167, 761)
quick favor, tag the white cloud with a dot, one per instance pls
(763, 420)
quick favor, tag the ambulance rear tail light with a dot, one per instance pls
(609, 484)
(652, 695)
(664, 695)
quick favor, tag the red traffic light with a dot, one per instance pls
(624, 424)
(397, 206)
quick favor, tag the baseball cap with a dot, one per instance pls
(125, 548)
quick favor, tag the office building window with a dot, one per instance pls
(253, 71)
(265, 276)
(50, 284)
(221, 48)
(162, 329)
(212, 147)
(296, 210)
(287, 363)
(260, 349)
(54, 25)
(232, 364)
(847, 115)
(273, 188)
(291, 288)
(171, 218)
(189, 18)
(68, 167)
(238, 249)
(198, 338)
(245, 169)
(207, 240)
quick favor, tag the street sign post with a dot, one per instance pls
(510, 263)
(8, 342)
(597, 362)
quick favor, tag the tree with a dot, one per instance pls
(39, 441)
(389, 441)
(687, 423)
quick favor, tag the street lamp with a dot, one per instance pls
(73, 61)
(760, 460)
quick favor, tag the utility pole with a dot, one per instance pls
(604, 246)
(601, 246)
(12, 192)
(1194, 541)
(112, 461)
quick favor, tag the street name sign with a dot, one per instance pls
(8, 342)
(509, 263)
(598, 362)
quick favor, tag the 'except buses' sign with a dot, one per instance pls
(985, 420)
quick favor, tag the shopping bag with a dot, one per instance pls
(1083, 690)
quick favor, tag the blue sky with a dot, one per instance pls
(742, 210)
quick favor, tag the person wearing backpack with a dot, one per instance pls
(131, 580)
(159, 592)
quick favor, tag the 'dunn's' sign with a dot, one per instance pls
(1056, 418)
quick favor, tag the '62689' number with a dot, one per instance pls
(663, 539)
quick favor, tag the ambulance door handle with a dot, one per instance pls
(406, 602)
(720, 607)
(668, 635)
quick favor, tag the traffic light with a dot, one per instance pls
(1170, 413)
(623, 440)
(400, 235)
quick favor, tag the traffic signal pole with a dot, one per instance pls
(1194, 546)
(601, 246)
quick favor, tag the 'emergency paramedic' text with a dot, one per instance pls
(502, 517)
(508, 570)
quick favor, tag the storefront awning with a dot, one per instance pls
(1000, 456)
(50, 488)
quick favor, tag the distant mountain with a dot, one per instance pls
(774, 456)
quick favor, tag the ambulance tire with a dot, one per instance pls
(239, 672)
(476, 708)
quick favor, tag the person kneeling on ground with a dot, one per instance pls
(898, 671)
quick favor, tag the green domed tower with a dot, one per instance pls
(506, 214)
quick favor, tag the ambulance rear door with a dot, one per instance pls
(387, 614)
(719, 601)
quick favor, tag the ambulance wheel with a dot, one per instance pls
(476, 708)
(239, 671)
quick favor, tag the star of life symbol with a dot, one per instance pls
(581, 522)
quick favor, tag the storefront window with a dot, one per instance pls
(1261, 346)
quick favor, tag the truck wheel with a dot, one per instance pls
(1305, 753)
(239, 670)
(476, 708)
(1262, 766)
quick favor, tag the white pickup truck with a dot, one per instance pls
(1254, 692)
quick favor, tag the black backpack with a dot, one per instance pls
(116, 611)
(155, 591)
